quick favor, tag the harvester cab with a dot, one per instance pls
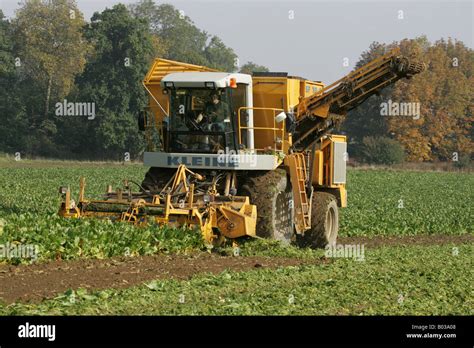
(243, 155)
(202, 111)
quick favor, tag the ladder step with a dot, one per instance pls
(301, 178)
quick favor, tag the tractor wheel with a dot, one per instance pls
(271, 193)
(324, 222)
(157, 178)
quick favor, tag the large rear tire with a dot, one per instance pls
(271, 193)
(324, 222)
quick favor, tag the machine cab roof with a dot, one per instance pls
(204, 80)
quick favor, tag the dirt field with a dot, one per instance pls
(379, 241)
(38, 281)
(33, 283)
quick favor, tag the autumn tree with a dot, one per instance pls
(51, 47)
(444, 92)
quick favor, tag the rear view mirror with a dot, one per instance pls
(142, 120)
(280, 117)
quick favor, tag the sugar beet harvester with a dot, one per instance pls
(239, 155)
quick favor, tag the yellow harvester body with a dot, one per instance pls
(212, 174)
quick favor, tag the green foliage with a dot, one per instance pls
(380, 150)
(28, 211)
(430, 203)
(6, 45)
(12, 107)
(271, 248)
(112, 81)
(220, 56)
(60, 57)
(58, 238)
(51, 44)
(47, 53)
(464, 162)
(411, 280)
(250, 67)
(380, 203)
(181, 39)
(407, 203)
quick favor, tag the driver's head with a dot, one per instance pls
(214, 98)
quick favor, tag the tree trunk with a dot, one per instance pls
(48, 96)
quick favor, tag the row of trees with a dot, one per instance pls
(49, 54)
(443, 130)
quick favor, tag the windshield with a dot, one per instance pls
(201, 120)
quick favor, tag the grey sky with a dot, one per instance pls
(314, 43)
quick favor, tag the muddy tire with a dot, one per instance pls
(156, 178)
(324, 222)
(271, 193)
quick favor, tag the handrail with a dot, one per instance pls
(274, 129)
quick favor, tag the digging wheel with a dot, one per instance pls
(156, 178)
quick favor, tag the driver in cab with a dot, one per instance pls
(215, 111)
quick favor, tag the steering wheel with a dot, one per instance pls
(191, 120)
